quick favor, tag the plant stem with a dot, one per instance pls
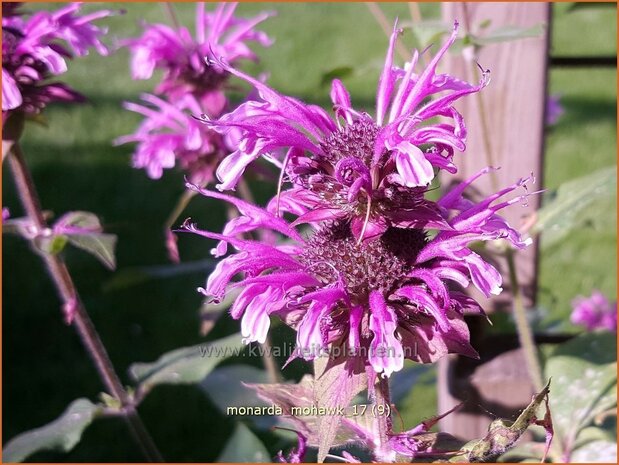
(525, 334)
(382, 401)
(84, 326)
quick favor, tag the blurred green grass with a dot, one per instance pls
(76, 167)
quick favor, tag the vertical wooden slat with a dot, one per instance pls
(513, 105)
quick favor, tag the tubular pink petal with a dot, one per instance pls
(387, 78)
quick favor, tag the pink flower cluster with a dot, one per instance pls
(36, 48)
(191, 86)
(380, 269)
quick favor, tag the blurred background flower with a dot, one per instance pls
(35, 48)
(594, 312)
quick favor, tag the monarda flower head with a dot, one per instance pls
(36, 48)
(385, 299)
(372, 171)
(170, 134)
(181, 56)
(595, 312)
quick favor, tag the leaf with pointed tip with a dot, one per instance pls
(78, 220)
(336, 382)
(585, 200)
(61, 434)
(584, 377)
(100, 245)
(244, 447)
(187, 365)
(83, 230)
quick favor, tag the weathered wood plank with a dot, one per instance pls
(514, 105)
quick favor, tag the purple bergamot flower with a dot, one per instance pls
(181, 56)
(373, 171)
(170, 134)
(595, 312)
(385, 299)
(36, 48)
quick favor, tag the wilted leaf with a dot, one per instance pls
(61, 434)
(244, 447)
(503, 434)
(187, 365)
(584, 376)
(580, 201)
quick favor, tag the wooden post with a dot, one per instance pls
(506, 129)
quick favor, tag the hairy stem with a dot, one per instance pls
(382, 413)
(525, 335)
(81, 321)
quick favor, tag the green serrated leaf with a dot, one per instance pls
(100, 245)
(584, 200)
(61, 434)
(244, 447)
(340, 72)
(187, 365)
(584, 376)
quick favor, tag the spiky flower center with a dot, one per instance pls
(355, 140)
(332, 253)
